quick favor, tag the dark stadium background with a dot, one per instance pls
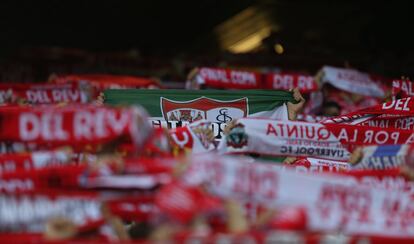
(167, 38)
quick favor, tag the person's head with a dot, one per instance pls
(330, 108)
(327, 89)
(140, 230)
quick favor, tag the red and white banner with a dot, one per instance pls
(292, 138)
(104, 81)
(396, 114)
(14, 162)
(78, 177)
(351, 80)
(400, 107)
(334, 202)
(30, 212)
(239, 79)
(35, 93)
(319, 165)
(270, 236)
(45, 179)
(287, 81)
(133, 208)
(284, 236)
(405, 123)
(404, 88)
(75, 125)
(228, 78)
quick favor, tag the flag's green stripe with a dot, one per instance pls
(259, 100)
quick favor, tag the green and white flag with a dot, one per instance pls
(172, 108)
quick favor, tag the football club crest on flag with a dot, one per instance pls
(237, 137)
(175, 108)
(204, 108)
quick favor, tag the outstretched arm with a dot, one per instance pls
(295, 108)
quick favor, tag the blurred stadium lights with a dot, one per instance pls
(245, 31)
(251, 42)
(279, 49)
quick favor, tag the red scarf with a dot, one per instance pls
(27, 161)
(394, 108)
(333, 202)
(404, 88)
(292, 138)
(100, 82)
(319, 165)
(220, 78)
(73, 125)
(35, 93)
(83, 209)
(228, 79)
(287, 81)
